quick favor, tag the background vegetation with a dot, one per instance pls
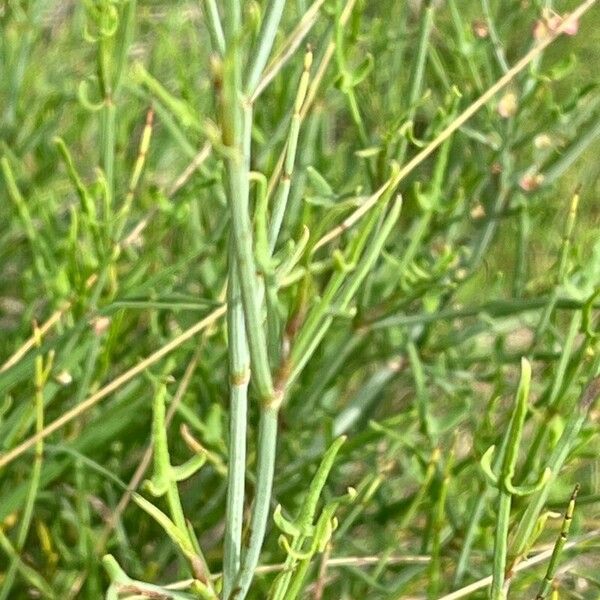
(115, 245)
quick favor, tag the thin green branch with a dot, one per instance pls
(283, 189)
(266, 37)
(558, 547)
(214, 26)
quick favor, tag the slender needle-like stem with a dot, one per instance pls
(558, 547)
(239, 375)
(213, 23)
(236, 111)
(283, 190)
(266, 37)
(267, 440)
(494, 37)
(418, 72)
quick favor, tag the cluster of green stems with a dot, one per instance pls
(247, 339)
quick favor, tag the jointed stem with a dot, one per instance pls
(237, 178)
(558, 547)
(237, 127)
(239, 365)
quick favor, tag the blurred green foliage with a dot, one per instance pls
(419, 369)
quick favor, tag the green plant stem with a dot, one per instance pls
(239, 367)
(237, 178)
(474, 519)
(121, 218)
(416, 87)
(307, 337)
(567, 158)
(564, 373)
(162, 462)
(214, 26)
(42, 259)
(267, 446)
(108, 152)
(109, 86)
(505, 485)
(283, 189)
(127, 31)
(349, 80)
(303, 528)
(476, 515)
(558, 547)
(266, 37)
(437, 524)
(422, 227)
(463, 44)
(291, 566)
(28, 573)
(233, 21)
(321, 317)
(419, 497)
(164, 482)
(422, 399)
(86, 545)
(495, 309)
(323, 63)
(561, 272)
(237, 127)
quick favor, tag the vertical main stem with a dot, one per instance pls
(238, 166)
(239, 374)
(237, 127)
(267, 442)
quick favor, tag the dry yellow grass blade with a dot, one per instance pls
(115, 384)
(54, 318)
